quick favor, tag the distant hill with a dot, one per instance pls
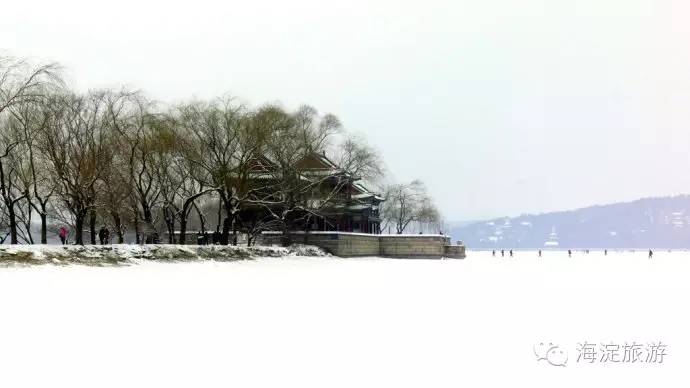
(645, 223)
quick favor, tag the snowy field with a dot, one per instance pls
(329, 322)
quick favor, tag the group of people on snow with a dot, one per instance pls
(570, 253)
(103, 235)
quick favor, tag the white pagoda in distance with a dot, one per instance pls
(552, 242)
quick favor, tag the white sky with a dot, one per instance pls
(501, 107)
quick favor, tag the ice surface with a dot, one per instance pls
(330, 322)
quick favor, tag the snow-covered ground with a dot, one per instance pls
(329, 322)
(131, 254)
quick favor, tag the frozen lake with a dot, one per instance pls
(327, 322)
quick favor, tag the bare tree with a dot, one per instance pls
(359, 159)
(78, 152)
(214, 130)
(9, 172)
(428, 217)
(116, 191)
(20, 82)
(190, 189)
(129, 115)
(179, 178)
(406, 204)
(30, 118)
(288, 198)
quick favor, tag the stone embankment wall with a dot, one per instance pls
(345, 244)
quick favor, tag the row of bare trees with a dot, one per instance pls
(117, 158)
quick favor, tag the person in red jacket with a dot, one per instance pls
(63, 235)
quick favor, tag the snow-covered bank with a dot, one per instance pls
(356, 322)
(113, 255)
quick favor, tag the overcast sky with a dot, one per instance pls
(501, 107)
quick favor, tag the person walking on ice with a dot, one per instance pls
(651, 253)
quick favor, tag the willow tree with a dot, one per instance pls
(10, 169)
(408, 203)
(181, 179)
(129, 115)
(115, 196)
(30, 118)
(78, 152)
(20, 83)
(293, 137)
(214, 133)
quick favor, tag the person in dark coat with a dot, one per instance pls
(651, 253)
(104, 235)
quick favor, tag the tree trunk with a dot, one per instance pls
(44, 227)
(29, 234)
(234, 230)
(92, 226)
(13, 224)
(225, 236)
(228, 221)
(27, 224)
(169, 219)
(148, 216)
(183, 230)
(250, 233)
(286, 239)
(79, 228)
(137, 231)
(117, 220)
(184, 215)
(220, 212)
(171, 230)
(202, 220)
